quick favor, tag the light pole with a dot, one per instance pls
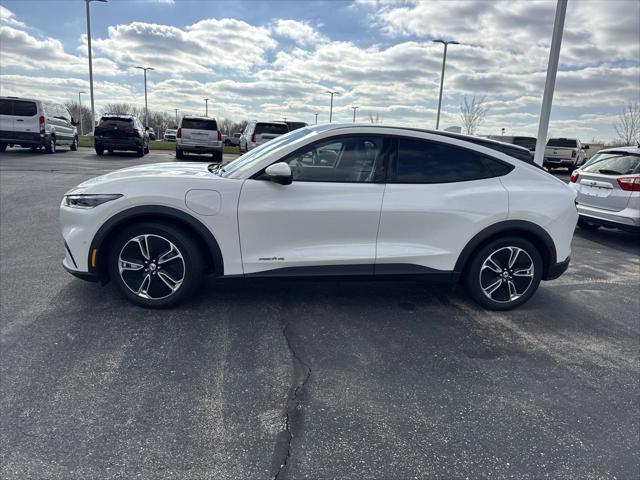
(206, 107)
(354, 113)
(316, 118)
(80, 110)
(93, 109)
(176, 116)
(332, 93)
(444, 60)
(146, 107)
(550, 82)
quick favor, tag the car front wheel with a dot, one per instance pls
(50, 147)
(155, 265)
(504, 274)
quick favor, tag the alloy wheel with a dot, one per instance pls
(506, 274)
(151, 266)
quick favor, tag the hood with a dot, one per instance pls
(161, 172)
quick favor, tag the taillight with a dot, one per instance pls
(574, 176)
(41, 123)
(573, 153)
(219, 136)
(253, 138)
(179, 133)
(629, 184)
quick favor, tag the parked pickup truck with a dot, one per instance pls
(564, 152)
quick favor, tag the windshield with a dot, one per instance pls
(613, 164)
(247, 161)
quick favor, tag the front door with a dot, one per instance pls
(326, 221)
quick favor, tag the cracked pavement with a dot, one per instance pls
(306, 379)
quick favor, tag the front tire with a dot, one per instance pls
(3, 147)
(504, 273)
(74, 145)
(155, 265)
(99, 151)
(50, 147)
(587, 225)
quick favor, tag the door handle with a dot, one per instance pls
(19, 120)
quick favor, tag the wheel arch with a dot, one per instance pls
(107, 232)
(521, 228)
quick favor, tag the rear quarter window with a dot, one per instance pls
(198, 124)
(6, 107)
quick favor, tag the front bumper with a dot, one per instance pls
(87, 276)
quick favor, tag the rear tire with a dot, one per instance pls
(74, 144)
(140, 152)
(217, 157)
(3, 147)
(167, 273)
(504, 273)
(587, 225)
(50, 147)
(110, 150)
(99, 151)
(179, 154)
(146, 149)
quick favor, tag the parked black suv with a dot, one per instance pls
(121, 132)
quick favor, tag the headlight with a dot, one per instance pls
(88, 200)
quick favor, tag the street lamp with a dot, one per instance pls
(146, 107)
(316, 118)
(176, 116)
(444, 59)
(332, 93)
(80, 110)
(354, 113)
(93, 110)
(206, 107)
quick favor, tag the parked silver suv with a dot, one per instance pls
(608, 190)
(199, 135)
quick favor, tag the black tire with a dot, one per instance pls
(50, 147)
(179, 154)
(217, 157)
(587, 225)
(140, 152)
(146, 149)
(159, 236)
(99, 151)
(33, 149)
(110, 150)
(477, 277)
(3, 147)
(74, 145)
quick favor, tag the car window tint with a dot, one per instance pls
(614, 162)
(425, 162)
(6, 107)
(351, 159)
(24, 109)
(111, 122)
(271, 128)
(562, 142)
(199, 124)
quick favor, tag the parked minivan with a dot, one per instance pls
(27, 122)
(199, 135)
(257, 133)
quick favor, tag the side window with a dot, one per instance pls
(351, 159)
(6, 107)
(24, 109)
(421, 161)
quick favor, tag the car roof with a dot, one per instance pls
(510, 149)
(630, 149)
(117, 115)
(197, 117)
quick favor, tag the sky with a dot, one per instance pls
(270, 60)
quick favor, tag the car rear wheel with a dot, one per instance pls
(155, 265)
(179, 154)
(3, 147)
(504, 274)
(217, 157)
(74, 144)
(99, 151)
(140, 152)
(50, 147)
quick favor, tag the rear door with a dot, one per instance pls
(197, 131)
(268, 131)
(438, 196)
(25, 115)
(598, 182)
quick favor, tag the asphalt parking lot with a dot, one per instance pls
(335, 380)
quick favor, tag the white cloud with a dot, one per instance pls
(300, 32)
(7, 17)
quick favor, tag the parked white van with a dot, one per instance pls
(27, 122)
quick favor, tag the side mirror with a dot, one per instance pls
(279, 173)
(146, 129)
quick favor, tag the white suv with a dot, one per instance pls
(328, 200)
(32, 123)
(199, 135)
(257, 133)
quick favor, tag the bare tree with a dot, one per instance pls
(472, 114)
(119, 109)
(375, 118)
(78, 114)
(628, 124)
